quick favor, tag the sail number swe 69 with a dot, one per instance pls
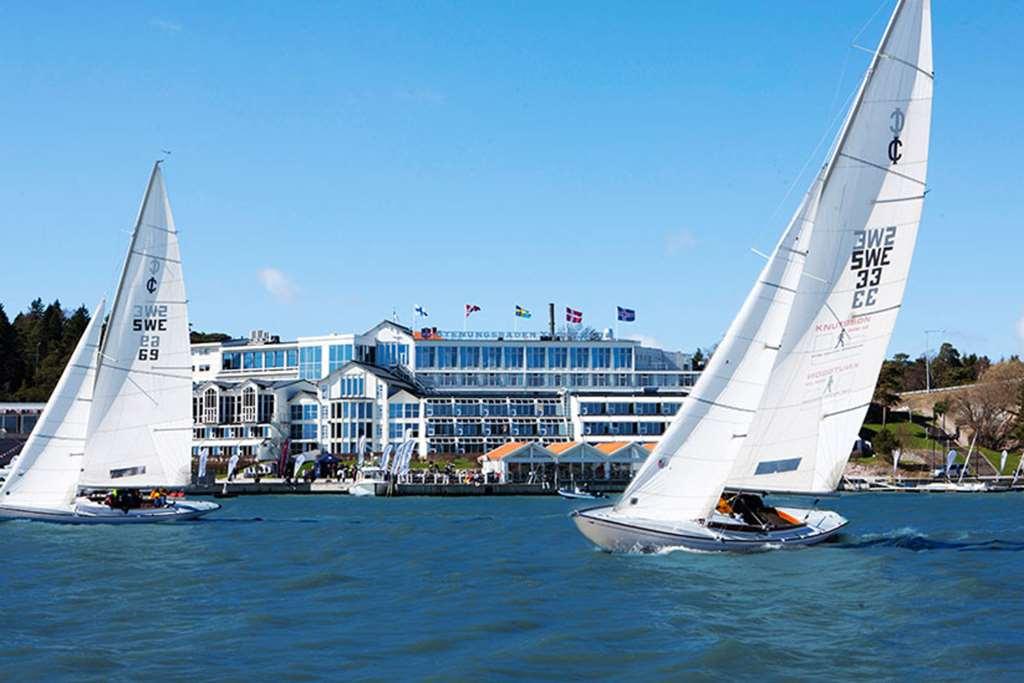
(152, 320)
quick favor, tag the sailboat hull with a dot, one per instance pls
(83, 512)
(616, 533)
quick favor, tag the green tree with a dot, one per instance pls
(887, 389)
(11, 368)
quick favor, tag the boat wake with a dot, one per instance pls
(910, 539)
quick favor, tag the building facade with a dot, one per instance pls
(456, 393)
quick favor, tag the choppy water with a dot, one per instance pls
(303, 588)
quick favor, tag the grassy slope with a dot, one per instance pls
(912, 436)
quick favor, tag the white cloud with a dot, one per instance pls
(680, 240)
(165, 26)
(278, 285)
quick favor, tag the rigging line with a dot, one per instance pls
(881, 168)
(902, 61)
(129, 378)
(836, 117)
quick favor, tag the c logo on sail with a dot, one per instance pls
(896, 121)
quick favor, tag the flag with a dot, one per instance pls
(282, 463)
(204, 454)
(471, 308)
(420, 311)
(522, 312)
(626, 315)
(573, 316)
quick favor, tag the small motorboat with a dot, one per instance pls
(577, 493)
(367, 481)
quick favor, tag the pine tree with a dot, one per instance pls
(11, 369)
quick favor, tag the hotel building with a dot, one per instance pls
(461, 393)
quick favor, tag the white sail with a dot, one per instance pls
(858, 261)
(685, 474)
(45, 474)
(140, 427)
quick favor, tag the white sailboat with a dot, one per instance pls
(785, 393)
(120, 417)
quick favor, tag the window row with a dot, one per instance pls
(257, 360)
(535, 357)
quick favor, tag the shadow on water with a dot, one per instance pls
(919, 542)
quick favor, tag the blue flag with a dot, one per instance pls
(626, 315)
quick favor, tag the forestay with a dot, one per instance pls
(684, 475)
(140, 428)
(858, 260)
(46, 471)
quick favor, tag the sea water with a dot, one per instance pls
(315, 587)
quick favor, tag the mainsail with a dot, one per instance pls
(140, 426)
(858, 261)
(46, 471)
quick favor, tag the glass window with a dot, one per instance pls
(309, 412)
(602, 357)
(579, 357)
(392, 354)
(339, 355)
(535, 357)
(310, 358)
(231, 361)
(446, 356)
(425, 356)
(557, 357)
(491, 357)
(469, 356)
(513, 356)
(623, 357)
(618, 408)
(292, 357)
(296, 412)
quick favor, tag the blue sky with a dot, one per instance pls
(332, 161)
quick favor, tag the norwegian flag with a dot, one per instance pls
(573, 316)
(471, 308)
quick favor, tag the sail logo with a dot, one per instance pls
(872, 250)
(897, 119)
(154, 270)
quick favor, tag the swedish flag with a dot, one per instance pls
(522, 312)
